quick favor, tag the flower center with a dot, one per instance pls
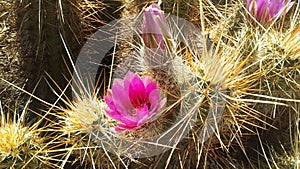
(139, 103)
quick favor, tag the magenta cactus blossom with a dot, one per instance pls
(155, 27)
(265, 11)
(133, 101)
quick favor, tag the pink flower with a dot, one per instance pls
(265, 11)
(133, 101)
(156, 36)
(155, 27)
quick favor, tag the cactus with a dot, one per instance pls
(10, 57)
(21, 145)
(48, 33)
(231, 88)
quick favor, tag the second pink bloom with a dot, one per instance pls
(265, 11)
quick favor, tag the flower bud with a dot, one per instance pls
(266, 11)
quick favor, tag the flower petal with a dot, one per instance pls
(162, 103)
(137, 92)
(276, 6)
(121, 99)
(150, 88)
(147, 80)
(143, 115)
(128, 78)
(122, 127)
(109, 100)
(113, 114)
(154, 99)
(128, 122)
(283, 8)
(261, 6)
